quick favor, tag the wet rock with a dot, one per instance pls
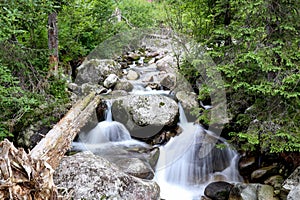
(153, 157)
(293, 180)
(110, 81)
(275, 181)
(242, 191)
(145, 115)
(135, 167)
(92, 177)
(87, 88)
(246, 165)
(218, 190)
(132, 75)
(124, 85)
(264, 172)
(95, 71)
(294, 194)
(168, 81)
(187, 99)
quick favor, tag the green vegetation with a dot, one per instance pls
(255, 45)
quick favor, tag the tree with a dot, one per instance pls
(255, 45)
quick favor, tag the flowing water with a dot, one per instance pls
(187, 163)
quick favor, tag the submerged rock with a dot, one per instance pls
(92, 177)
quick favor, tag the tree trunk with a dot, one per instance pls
(53, 42)
(58, 140)
(29, 176)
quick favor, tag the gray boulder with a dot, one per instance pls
(167, 64)
(187, 99)
(293, 180)
(132, 75)
(151, 112)
(135, 167)
(242, 191)
(96, 71)
(110, 81)
(92, 177)
(294, 194)
(124, 85)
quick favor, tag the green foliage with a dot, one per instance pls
(255, 45)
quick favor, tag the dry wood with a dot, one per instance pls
(29, 176)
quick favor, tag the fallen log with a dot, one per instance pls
(58, 140)
(29, 176)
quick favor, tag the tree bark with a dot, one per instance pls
(53, 42)
(30, 176)
(58, 140)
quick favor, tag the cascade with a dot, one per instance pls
(106, 131)
(188, 162)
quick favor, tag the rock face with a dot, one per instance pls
(218, 190)
(138, 111)
(95, 71)
(93, 177)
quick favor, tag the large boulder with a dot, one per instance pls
(145, 115)
(92, 177)
(96, 71)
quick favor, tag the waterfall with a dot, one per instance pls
(188, 162)
(107, 131)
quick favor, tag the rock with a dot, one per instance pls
(132, 75)
(110, 81)
(293, 180)
(218, 190)
(275, 181)
(294, 194)
(29, 137)
(92, 177)
(95, 71)
(148, 112)
(87, 88)
(246, 165)
(187, 99)
(167, 64)
(153, 157)
(135, 167)
(124, 85)
(74, 87)
(262, 173)
(168, 81)
(241, 191)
